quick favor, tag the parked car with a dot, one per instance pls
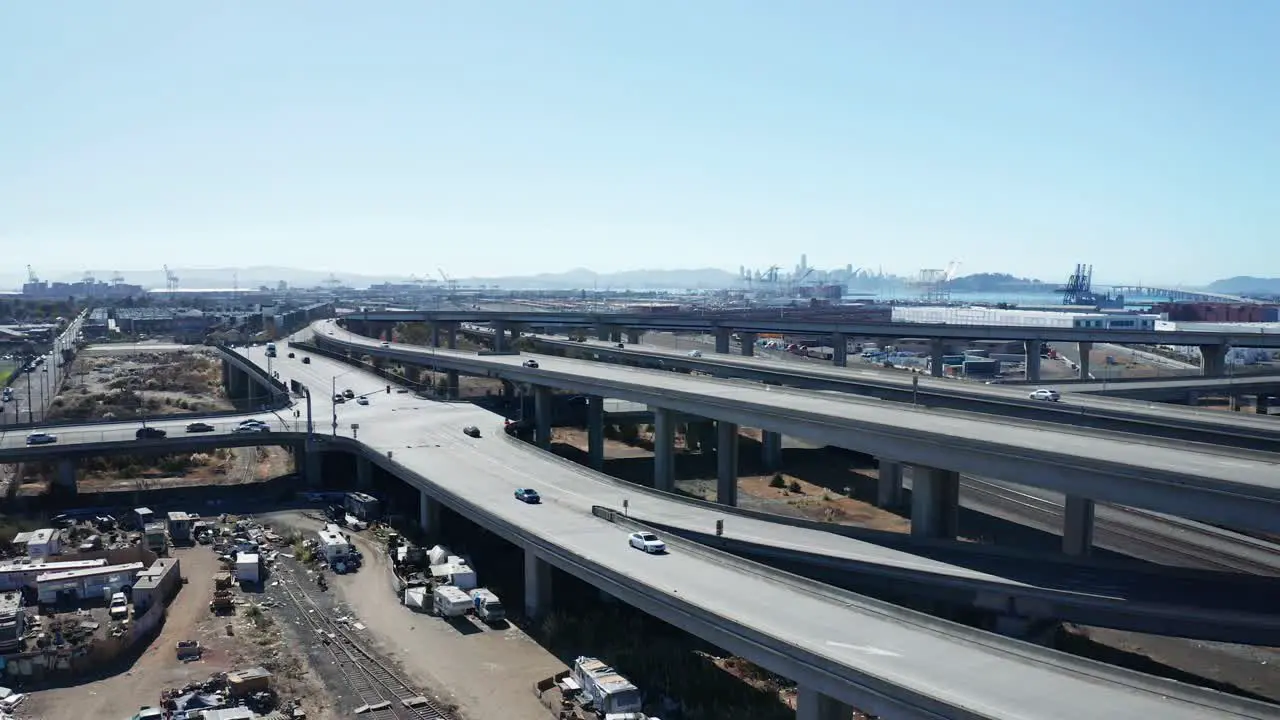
(472, 430)
(306, 361)
(531, 363)
(40, 438)
(150, 433)
(1045, 394)
(528, 495)
(362, 401)
(647, 542)
(198, 427)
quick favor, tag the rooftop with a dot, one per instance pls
(88, 572)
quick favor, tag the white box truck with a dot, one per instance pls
(247, 567)
(487, 606)
(448, 601)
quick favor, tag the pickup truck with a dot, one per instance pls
(119, 609)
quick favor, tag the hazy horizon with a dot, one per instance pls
(503, 139)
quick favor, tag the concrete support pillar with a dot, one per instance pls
(451, 379)
(500, 338)
(542, 399)
(595, 432)
(364, 473)
(840, 348)
(723, 336)
(633, 337)
(237, 384)
(664, 449)
(428, 513)
(451, 336)
(1077, 526)
(1031, 348)
(537, 585)
(1213, 360)
(602, 332)
(813, 705)
(889, 484)
(726, 463)
(313, 466)
(508, 391)
(771, 450)
(1262, 405)
(1085, 351)
(615, 336)
(937, 348)
(67, 474)
(1193, 397)
(748, 341)
(935, 503)
(435, 336)
(226, 377)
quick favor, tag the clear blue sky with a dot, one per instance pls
(492, 138)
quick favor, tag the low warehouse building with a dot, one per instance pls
(44, 543)
(22, 575)
(74, 586)
(13, 621)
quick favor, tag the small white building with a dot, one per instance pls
(43, 543)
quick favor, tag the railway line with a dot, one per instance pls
(380, 689)
(1195, 546)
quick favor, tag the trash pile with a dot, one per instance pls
(248, 689)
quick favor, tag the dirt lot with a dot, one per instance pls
(123, 473)
(488, 673)
(139, 681)
(812, 487)
(122, 386)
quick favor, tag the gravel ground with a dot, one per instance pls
(486, 673)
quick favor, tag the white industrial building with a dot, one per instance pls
(1240, 354)
(23, 573)
(73, 586)
(1023, 318)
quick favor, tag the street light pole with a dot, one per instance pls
(334, 403)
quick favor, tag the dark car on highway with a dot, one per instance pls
(306, 361)
(150, 433)
(528, 495)
(199, 427)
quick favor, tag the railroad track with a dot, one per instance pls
(372, 680)
(1131, 538)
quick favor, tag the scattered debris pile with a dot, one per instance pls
(237, 695)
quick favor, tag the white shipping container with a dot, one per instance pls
(247, 567)
(438, 555)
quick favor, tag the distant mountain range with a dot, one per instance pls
(578, 278)
(1246, 285)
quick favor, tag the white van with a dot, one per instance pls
(448, 601)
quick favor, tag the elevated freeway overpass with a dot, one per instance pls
(1079, 407)
(840, 647)
(1236, 488)
(613, 326)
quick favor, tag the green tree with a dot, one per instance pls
(413, 333)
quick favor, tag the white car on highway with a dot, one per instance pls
(1045, 394)
(40, 438)
(695, 353)
(647, 542)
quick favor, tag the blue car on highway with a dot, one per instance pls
(527, 495)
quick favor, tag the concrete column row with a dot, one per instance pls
(537, 584)
(1213, 361)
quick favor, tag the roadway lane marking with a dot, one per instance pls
(864, 649)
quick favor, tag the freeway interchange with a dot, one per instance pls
(875, 656)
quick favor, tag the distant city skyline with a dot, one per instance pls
(505, 138)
